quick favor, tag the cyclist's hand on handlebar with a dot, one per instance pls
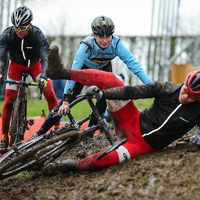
(42, 83)
(1, 79)
(64, 108)
(95, 92)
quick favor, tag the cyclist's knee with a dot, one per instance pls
(48, 91)
(55, 109)
(101, 76)
(10, 97)
(113, 81)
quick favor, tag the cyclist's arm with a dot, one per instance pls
(150, 90)
(81, 55)
(131, 62)
(3, 51)
(43, 53)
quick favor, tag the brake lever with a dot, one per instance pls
(86, 95)
(57, 115)
(40, 95)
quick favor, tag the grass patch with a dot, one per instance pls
(80, 111)
(24, 175)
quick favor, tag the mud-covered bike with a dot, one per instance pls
(19, 122)
(37, 152)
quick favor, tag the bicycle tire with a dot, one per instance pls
(32, 156)
(28, 164)
(33, 143)
(22, 121)
(21, 147)
(14, 120)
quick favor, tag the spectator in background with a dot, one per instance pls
(58, 86)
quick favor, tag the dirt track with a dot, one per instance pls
(172, 173)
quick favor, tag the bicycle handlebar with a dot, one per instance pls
(21, 82)
(86, 96)
(24, 83)
(80, 98)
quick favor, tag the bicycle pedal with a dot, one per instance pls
(31, 122)
(21, 137)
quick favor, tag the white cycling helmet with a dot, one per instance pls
(22, 16)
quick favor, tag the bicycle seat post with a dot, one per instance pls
(24, 76)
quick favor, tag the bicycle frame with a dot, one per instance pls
(102, 123)
(19, 122)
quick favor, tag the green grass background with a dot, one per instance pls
(81, 110)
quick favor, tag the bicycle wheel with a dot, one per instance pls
(23, 122)
(25, 146)
(15, 118)
(35, 161)
(36, 156)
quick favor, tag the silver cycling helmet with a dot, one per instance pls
(22, 16)
(103, 26)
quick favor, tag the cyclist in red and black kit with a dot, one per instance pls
(28, 49)
(175, 111)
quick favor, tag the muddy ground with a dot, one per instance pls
(172, 173)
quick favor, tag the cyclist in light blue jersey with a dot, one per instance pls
(96, 52)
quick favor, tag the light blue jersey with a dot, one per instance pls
(94, 57)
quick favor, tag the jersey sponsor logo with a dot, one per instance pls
(185, 120)
(100, 61)
(29, 47)
(125, 156)
(123, 153)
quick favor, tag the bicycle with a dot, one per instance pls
(37, 152)
(19, 122)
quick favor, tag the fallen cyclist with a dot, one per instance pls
(174, 112)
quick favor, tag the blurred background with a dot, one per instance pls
(162, 35)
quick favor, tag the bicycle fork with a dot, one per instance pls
(102, 121)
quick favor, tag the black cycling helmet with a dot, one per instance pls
(192, 81)
(22, 16)
(103, 26)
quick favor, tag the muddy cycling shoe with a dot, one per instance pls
(55, 69)
(64, 167)
(4, 145)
